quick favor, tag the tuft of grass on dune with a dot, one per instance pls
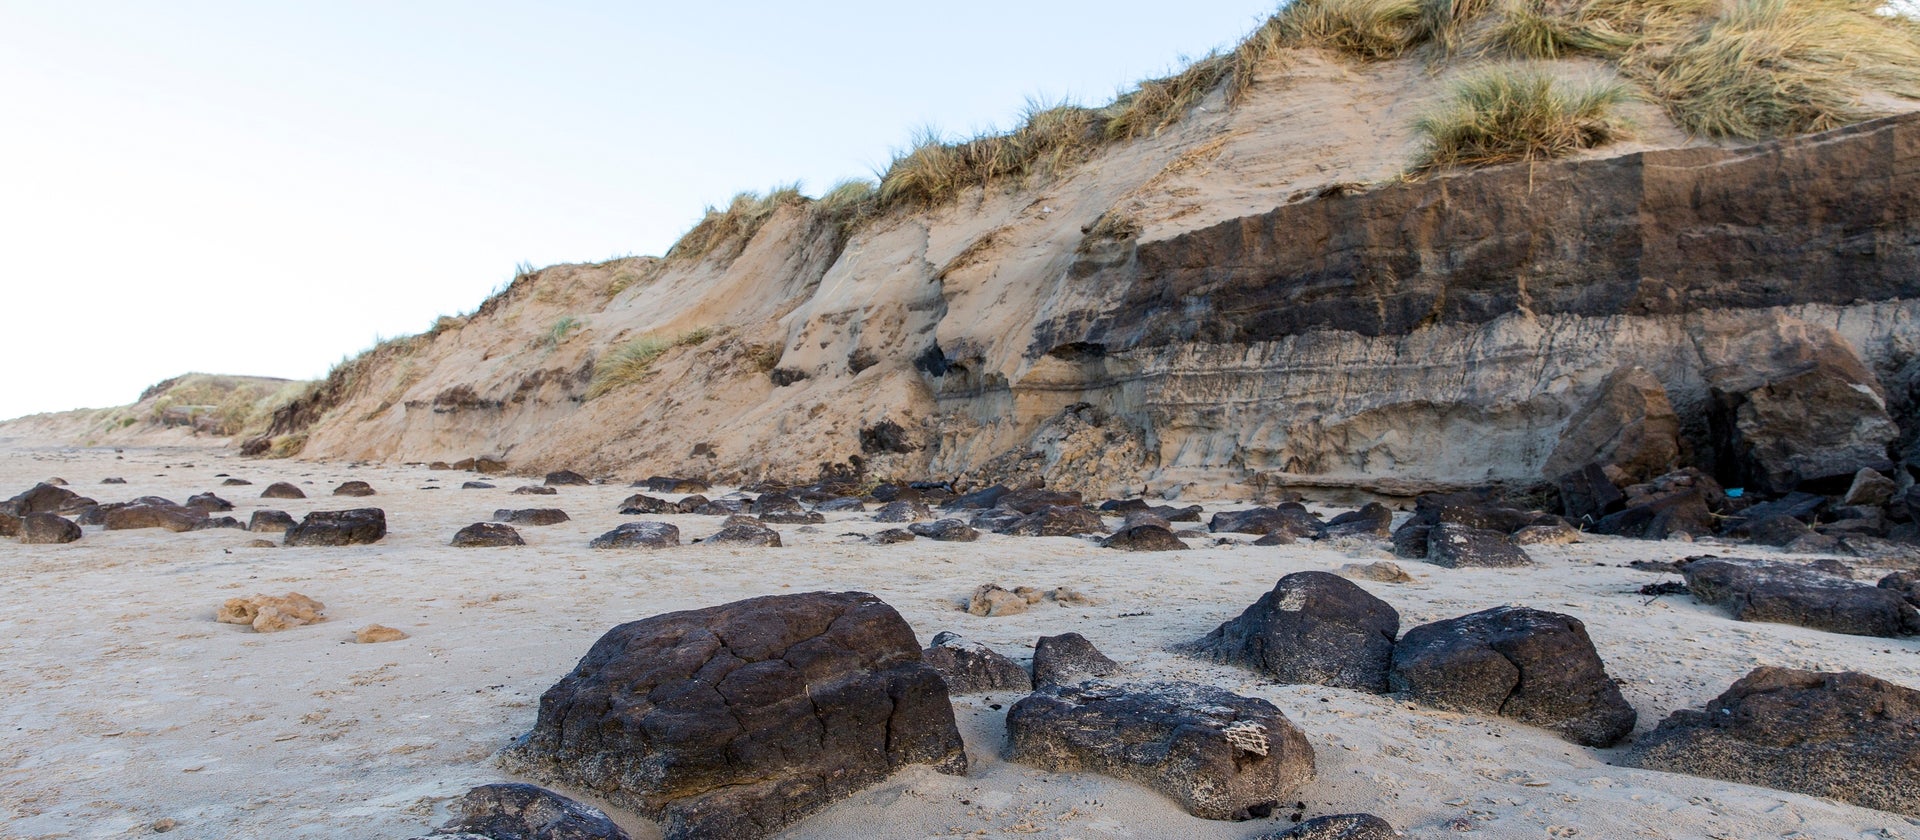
(633, 361)
(1768, 68)
(1515, 112)
(741, 219)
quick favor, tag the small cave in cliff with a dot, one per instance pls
(885, 436)
(1079, 351)
(933, 362)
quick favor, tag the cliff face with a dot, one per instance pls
(1411, 336)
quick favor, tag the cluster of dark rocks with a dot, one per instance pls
(41, 515)
(1531, 665)
(1848, 736)
(738, 720)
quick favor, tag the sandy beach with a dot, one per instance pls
(130, 710)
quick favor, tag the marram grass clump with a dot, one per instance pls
(633, 361)
(1770, 68)
(1510, 113)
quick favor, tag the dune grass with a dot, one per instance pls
(1515, 112)
(1755, 68)
(741, 219)
(633, 361)
(1769, 68)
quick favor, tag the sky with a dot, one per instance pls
(266, 188)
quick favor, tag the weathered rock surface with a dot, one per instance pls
(487, 535)
(639, 535)
(1337, 827)
(890, 536)
(783, 509)
(534, 490)
(1069, 658)
(737, 720)
(360, 526)
(567, 478)
(1870, 488)
(1906, 584)
(744, 533)
(9, 525)
(641, 504)
(945, 530)
(209, 503)
(1471, 510)
(1314, 628)
(282, 490)
(1803, 411)
(1057, 521)
(1291, 519)
(269, 521)
(374, 634)
(1460, 546)
(1786, 593)
(45, 498)
(270, 614)
(672, 484)
(531, 516)
(1533, 666)
(1221, 755)
(1383, 571)
(991, 599)
(1847, 736)
(1629, 424)
(1372, 520)
(903, 511)
(354, 488)
(525, 812)
(1144, 538)
(1558, 533)
(172, 517)
(47, 529)
(973, 668)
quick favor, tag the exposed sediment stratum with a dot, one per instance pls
(1409, 336)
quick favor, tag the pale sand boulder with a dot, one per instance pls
(269, 614)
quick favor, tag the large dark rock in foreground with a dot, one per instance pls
(1313, 627)
(973, 668)
(737, 720)
(360, 526)
(525, 812)
(1847, 736)
(1786, 593)
(1533, 666)
(1221, 755)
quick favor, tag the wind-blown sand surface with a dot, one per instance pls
(124, 703)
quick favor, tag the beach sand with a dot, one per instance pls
(127, 708)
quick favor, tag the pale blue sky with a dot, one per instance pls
(265, 187)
